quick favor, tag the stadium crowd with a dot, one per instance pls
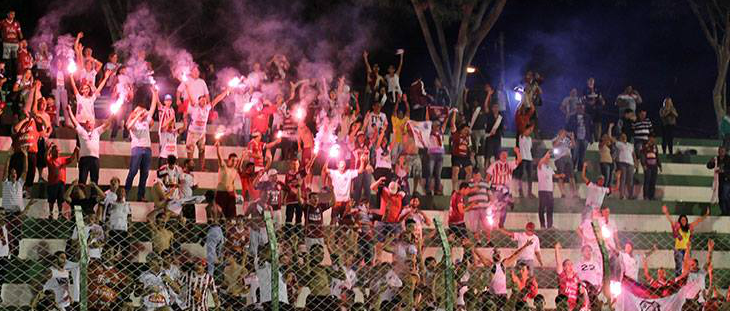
(368, 156)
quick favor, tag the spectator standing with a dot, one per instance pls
(11, 35)
(682, 231)
(478, 214)
(478, 125)
(85, 98)
(569, 104)
(341, 183)
(580, 126)
(630, 99)
(198, 285)
(374, 81)
(625, 162)
(594, 104)
(199, 112)
(642, 128)
(525, 169)
(495, 125)
(456, 211)
(225, 195)
(595, 193)
(56, 185)
(460, 152)
(435, 156)
(167, 131)
(651, 165)
(399, 119)
(545, 175)
(214, 242)
(721, 166)
(392, 79)
(562, 145)
(669, 117)
(12, 202)
(605, 155)
(139, 124)
(88, 137)
(570, 284)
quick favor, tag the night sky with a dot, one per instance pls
(661, 53)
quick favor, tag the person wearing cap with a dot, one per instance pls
(531, 255)
(167, 131)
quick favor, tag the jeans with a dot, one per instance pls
(668, 138)
(678, 259)
(361, 187)
(650, 176)
(88, 166)
(433, 170)
(579, 153)
(724, 198)
(141, 161)
(607, 172)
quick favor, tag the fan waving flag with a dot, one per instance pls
(421, 132)
(639, 297)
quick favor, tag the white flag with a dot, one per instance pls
(421, 132)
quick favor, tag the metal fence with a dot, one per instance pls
(170, 263)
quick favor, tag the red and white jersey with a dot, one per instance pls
(199, 118)
(257, 152)
(10, 31)
(197, 287)
(25, 60)
(501, 172)
(166, 114)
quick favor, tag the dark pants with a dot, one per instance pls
(15, 230)
(650, 176)
(294, 212)
(579, 153)
(30, 174)
(724, 198)
(141, 160)
(607, 172)
(525, 169)
(361, 187)
(546, 207)
(668, 138)
(55, 194)
(88, 166)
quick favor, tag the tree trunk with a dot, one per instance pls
(719, 98)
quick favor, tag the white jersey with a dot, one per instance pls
(199, 118)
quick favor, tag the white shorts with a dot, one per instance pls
(258, 237)
(193, 140)
(10, 50)
(477, 220)
(168, 144)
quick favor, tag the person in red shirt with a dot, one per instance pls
(107, 284)
(569, 283)
(11, 35)
(456, 212)
(260, 116)
(460, 151)
(55, 188)
(391, 203)
(293, 181)
(25, 59)
(27, 138)
(257, 149)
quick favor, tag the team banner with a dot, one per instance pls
(421, 132)
(638, 297)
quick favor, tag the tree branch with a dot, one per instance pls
(461, 42)
(418, 9)
(484, 28)
(443, 44)
(703, 24)
(480, 14)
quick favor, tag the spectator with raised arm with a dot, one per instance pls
(545, 175)
(85, 98)
(392, 79)
(139, 124)
(198, 113)
(570, 284)
(682, 231)
(531, 256)
(88, 136)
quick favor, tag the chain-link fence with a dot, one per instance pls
(419, 263)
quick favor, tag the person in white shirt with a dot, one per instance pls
(95, 236)
(168, 132)
(138, 124)
(392, 79)
(607, 228)
(525, 168)
(341, 183)
(155, 285)
(625, 165)
(589, 268)
(12, 202)
(630, 260)
(545, 175)
(85, 98)
(196, 119)
(595, 192)
(264, 275)
(562, 146)
(528, 240)
(375, 122)
(59, 280)
(88, 136)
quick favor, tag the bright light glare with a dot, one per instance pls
(334, 151)
(490, 219)
(219, 135)
(615, 288)
(234, 82)
(279, 134)
(71, 67)
(316, 147)
(518, 96)
(555, 151)
(471, 69)
(247, 107)
(114, 108)
(185, 76)
(605, 232)
(299, 113)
